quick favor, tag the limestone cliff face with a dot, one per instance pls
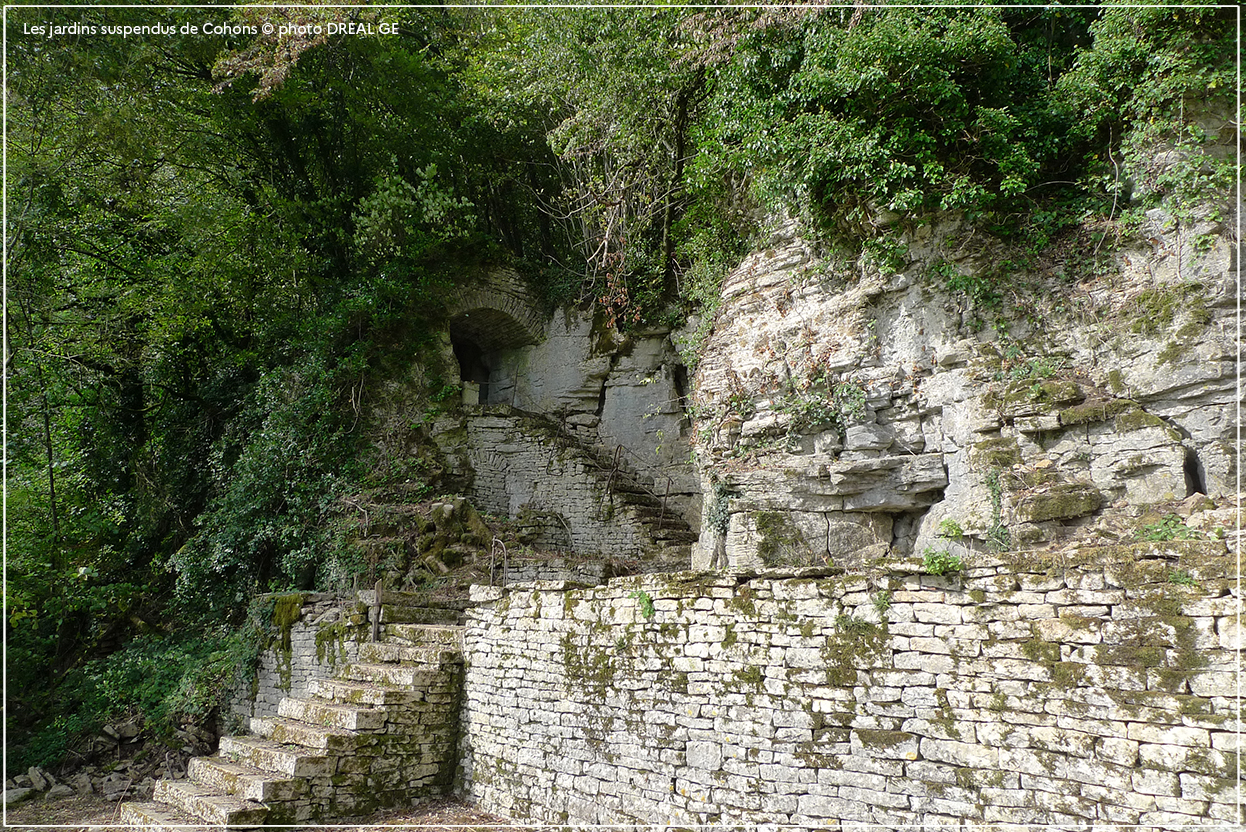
(853, 411)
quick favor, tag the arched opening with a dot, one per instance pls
(484, 341)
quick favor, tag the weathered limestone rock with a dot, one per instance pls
(1130, 395)
(1058, 502)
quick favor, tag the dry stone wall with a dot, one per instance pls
(319, 634)
(1083, 689)
(520, 467)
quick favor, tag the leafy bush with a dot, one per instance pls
(941, 562)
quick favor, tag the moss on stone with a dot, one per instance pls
(1136, 419)
(1098, 410)
(781, 543)
(1043, 652)
(1068, 674)
(679, 682)
(1059, 502)
(751, 676)
(854, 645)
(743, 601)
(879, 738)
(998, 452)
(594, 668)
(1171, 352)
(287, 610)
(331, 641)
(1158, 307)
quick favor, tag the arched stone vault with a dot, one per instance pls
(489, 319)
(498, 312)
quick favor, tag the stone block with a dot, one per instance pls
(1058, 502)
(1152, 782)
(959, 753)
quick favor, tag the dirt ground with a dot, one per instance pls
(86, 814)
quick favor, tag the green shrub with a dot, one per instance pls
(941, 562)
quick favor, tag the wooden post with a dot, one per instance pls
(376, 613)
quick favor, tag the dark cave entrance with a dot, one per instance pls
(473, 367)
(482, 338)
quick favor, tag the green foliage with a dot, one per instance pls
(850, 625)
(718, 517)
(981, 289)
(1149, 81)
(900, 112)
(997, 533)
(1169, 528)
(401, 219)
(950, 529)
(941, 562)
(821, 403)
(1180, 577)
(279, 467)
(644, 601)
(882, 602)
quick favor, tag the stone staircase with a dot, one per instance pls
(381, 734)
(670, 534)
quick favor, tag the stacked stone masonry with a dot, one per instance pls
(524, 464)
(1085, 692)
(382, 732)
(323, 639)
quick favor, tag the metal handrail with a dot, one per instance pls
(493, 557)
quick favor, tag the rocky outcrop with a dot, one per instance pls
(953, 396)
(607, 389)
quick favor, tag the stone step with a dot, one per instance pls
(348, 692)
(391, 614)
(243, 781)
(416, 677)
(158, 817)
(675, 536)
(425, 635)
(319, 737)
(348, 717)
(381, 653)
(368, 597)
(200, 801)
(398, 675)
(394, 598)
(269, 756)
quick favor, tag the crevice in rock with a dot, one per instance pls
(904, 531)
(601, 399)
(679, 376)
(1195, 476)
(601, 395)
(826, 538)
